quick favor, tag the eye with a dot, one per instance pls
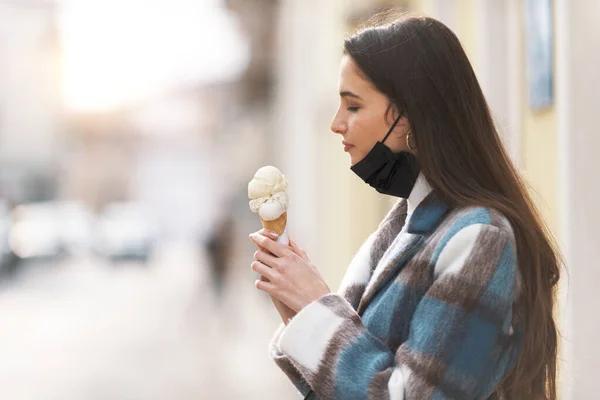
(353, 109)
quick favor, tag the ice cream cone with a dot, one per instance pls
(277, 225)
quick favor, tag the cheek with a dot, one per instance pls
(363, 138)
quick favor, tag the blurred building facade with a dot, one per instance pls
(176, 154)
(554, 147)
(185, 153)
(30, 100)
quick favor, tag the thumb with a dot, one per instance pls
(296, 249)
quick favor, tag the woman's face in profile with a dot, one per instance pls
(361, 117)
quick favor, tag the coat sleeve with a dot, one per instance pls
(460, 339)
(351, 288)
(286, 365)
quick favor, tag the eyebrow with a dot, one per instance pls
(347, 93)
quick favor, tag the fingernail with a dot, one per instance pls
(273, 235)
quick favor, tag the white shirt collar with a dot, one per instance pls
(418, 194)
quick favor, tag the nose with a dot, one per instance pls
(338, 125)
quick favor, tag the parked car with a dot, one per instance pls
(35, 231)
(77, 224)
(46, 230)
(125, 232)
(7, 257)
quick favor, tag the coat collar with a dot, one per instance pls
(427, 215)
(419, 192)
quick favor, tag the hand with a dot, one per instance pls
(292, 278)
(284, 311)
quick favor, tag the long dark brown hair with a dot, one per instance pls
(420, 65)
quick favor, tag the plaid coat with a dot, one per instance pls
(434, 321)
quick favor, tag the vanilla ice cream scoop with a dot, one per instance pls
(266, 182)
(273, 207)
(267, 193)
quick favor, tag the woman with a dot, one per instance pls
(452, 297)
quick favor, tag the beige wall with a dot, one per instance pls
(540, 161)
(579, 85)
(540, 152)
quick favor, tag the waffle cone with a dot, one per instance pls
(277, 225)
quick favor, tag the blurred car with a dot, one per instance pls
(51, 230)
(125, 232)
(7, 257)
(77, 227)
(35, 232)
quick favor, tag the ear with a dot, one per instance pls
(403, 127)
(397, 140)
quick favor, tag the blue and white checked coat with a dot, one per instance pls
(425, 311)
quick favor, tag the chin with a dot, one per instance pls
(355, 159)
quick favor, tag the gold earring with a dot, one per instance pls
(408, 141)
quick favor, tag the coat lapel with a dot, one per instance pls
(393, 250)
(399, 253)
(361, 269)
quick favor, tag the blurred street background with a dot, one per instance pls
(129, 130)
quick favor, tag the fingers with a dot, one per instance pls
(268, 244)
(268, 233)
(263, 270)
(265, 286)
(298, 250)
(266, 258)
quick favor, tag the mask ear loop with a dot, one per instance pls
(392, 128)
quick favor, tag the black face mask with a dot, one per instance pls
(387, 172)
